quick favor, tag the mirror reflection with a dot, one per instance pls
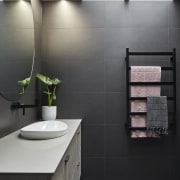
(16, 47)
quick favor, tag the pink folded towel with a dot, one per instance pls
(138, 121)
(143, 74)
(138, 106)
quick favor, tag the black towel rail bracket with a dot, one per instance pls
(172, 68)
(18, 105)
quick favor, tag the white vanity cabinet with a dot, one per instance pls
(70, 166)
(53, 159)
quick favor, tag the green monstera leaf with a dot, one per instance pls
(24, 83)
(50, 85)
(55, 81)
(46, 80)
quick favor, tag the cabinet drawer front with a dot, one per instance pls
(70, 166)
(77, 173)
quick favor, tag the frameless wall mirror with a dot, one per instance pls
(16, 46)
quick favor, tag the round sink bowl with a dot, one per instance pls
(44, 130)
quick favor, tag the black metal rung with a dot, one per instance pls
(145, 98)
(140, 128)
(137, 128)
(170, 126)
(137, 113)
(167, 68)
(144, 113)
(143, 128)
(151, 83)
(150, 54)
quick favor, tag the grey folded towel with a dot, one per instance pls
(157, 115)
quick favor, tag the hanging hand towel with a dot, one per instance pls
(157, 115)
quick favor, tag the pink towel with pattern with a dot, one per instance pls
(143, 74)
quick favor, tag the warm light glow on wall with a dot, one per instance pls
(21, 10)
(66, 5)
(25, 10)
(24, 4)
(69, 13)
(13, 0)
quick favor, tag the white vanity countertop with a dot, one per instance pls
(19, 155)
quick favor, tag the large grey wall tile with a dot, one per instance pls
(74, 44)
(149, 168)
(115, 75)
(137, 14)
(67, 14)
(89, 106)
(115, 108)
(92, 169)
(174, 14)
(116, 168)
(83, 76)
(115, 141)
(93, 141)
(137, 39)
(16, 14)
(175, 169)
(175, 41)
(141, 148)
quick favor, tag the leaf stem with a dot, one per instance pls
(49, 96)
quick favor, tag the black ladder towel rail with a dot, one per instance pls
(172, 83)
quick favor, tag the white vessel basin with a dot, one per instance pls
(44, 130)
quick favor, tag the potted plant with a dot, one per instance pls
(49, 112)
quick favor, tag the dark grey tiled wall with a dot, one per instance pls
(84, 45)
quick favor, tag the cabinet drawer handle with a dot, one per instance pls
(78, 164)
(67, 158)
(78, 132)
